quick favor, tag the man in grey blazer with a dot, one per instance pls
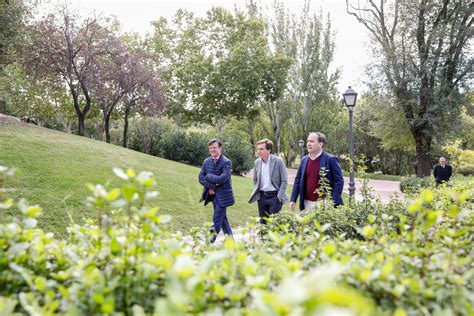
(270, 179)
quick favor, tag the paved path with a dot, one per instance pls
(382, 189)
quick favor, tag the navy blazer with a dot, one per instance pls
(217, 177)
(333, 174)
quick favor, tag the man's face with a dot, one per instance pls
(313, 145)
(263, 152)
(442, 161)
(214, 150)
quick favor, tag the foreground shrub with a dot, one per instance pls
(413, 184)
(415, 257)
(127, 262)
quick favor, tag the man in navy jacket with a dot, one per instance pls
(215, 177)
(307, 179)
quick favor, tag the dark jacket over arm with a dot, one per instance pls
(336, 180)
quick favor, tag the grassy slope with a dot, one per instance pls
(53, 168)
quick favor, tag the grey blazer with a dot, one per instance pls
(278, 176)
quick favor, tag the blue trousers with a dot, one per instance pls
(268, 204)
(220, 219)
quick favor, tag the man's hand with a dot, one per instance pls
(211, 191)
(292, 206)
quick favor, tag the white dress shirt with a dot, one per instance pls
(265, 182)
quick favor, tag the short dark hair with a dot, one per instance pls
(216, 141)
(321, 137)
(268, 143)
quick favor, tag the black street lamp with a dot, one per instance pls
(350, 97)
(301, 144)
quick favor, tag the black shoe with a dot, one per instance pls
(213, 236)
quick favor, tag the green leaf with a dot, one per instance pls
(33, 211)
(64, 291)
(161, 261)
(112, 195)
(129, 192)
(131, 173)
(6, 204)
(387, 269)
(90, 186)
(329, 249)
(400, 312)
(7, 305)
(98, 298)
(219, 290)
(151, 212)
(115, 246)
(372, 219)
(40, 283)
(108, 306)
(53, 306)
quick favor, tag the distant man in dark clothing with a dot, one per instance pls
(442, 172)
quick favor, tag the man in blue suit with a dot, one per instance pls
(307, 179)
(215, 177)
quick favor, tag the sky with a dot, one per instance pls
(351, 38)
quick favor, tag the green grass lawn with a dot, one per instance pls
(53, 168)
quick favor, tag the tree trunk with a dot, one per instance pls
(107, 131)
(108, 114)
(304, 117)
(251, 129)
(80, 124)
(220, 124)
(398, 164)
(125, 128)
(276, 148)
(423, 154)
(80, 115)
(278, 139)
(292, 155)
(100, 130)
(3, 106)
(107, 126)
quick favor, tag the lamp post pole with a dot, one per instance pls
(351, 153)
(350, 98)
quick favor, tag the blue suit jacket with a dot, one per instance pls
(217, 177)
(333, 174)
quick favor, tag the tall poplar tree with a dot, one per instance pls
(423, 55)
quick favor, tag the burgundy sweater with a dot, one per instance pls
(312, 179)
